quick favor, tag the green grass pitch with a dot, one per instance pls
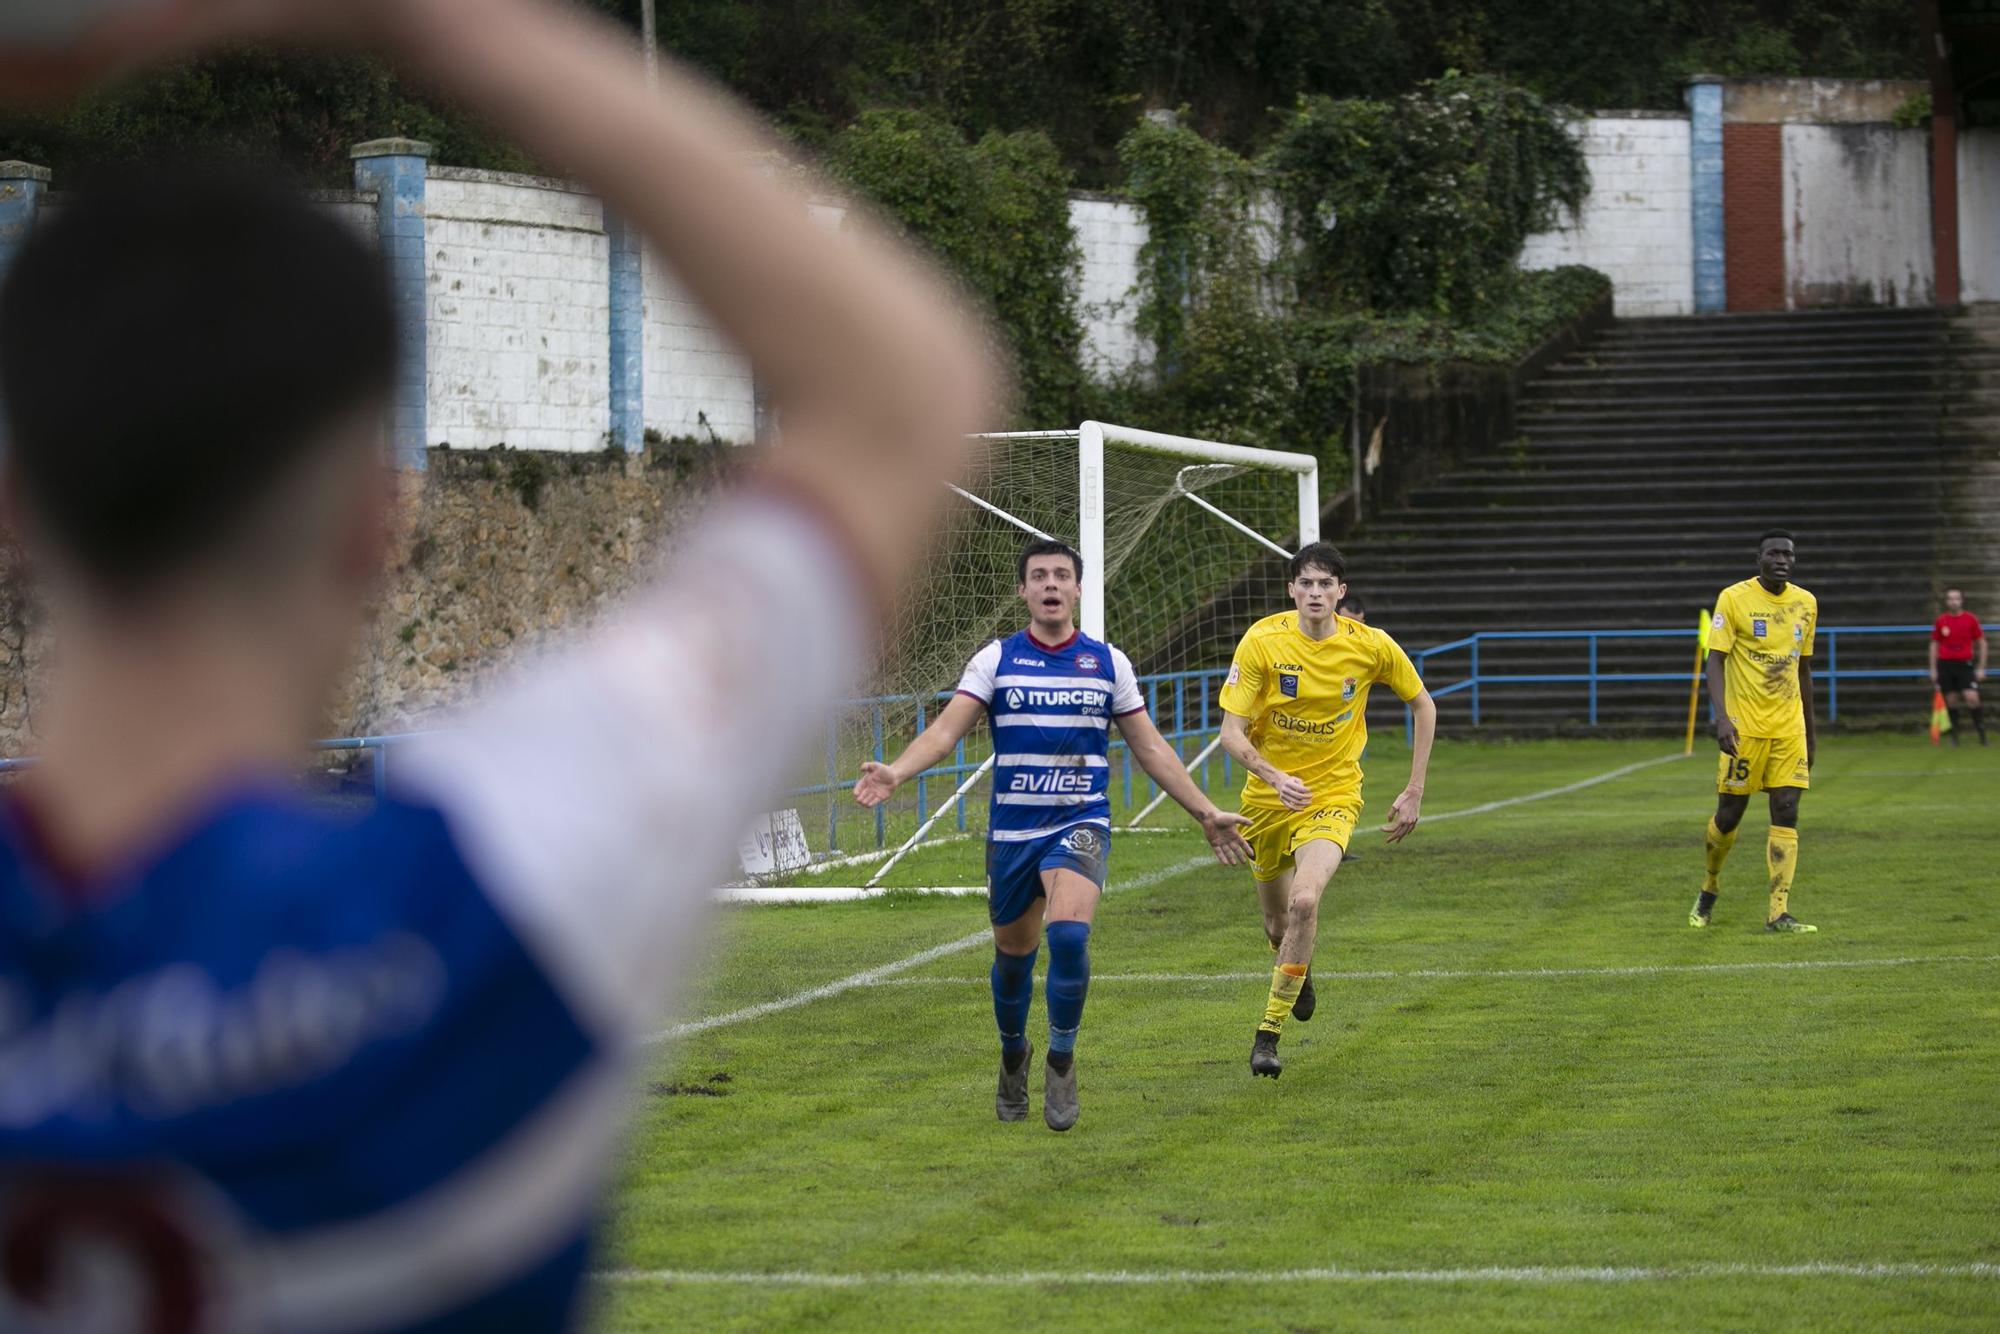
(1523, 1061)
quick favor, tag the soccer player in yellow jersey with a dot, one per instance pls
(1759, 671)
(1295, 711)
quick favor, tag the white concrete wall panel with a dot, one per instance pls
(696, 382)
(1635, 226)
(1857, 216)
(1109, 232)
(1979, 214)
(520, 313)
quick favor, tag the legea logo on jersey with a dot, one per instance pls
(1347, 689)
(1759, 626)
(1028, 662)
(1053, 780)
(1288, 685)
(1015, 698)
(1086, 662)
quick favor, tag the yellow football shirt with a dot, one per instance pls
(1307, 700)
(1764, 635)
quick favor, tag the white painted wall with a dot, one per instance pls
(1635, 226)
(1979, 214)
(1109, 232)
(696, 382)
(1857, 216)
(520, 313)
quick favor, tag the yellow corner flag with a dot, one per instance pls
(1694, 686)
(1940, 717)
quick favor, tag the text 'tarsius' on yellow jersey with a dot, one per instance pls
(1307, 700)
(1764, 635)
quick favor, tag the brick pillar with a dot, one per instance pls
(1705, 180)
(1753, 210)
(1944, 207)
(396, 169)
(22, 185)
(628, 335)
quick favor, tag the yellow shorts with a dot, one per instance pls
(1275, 836)
(1762, 763)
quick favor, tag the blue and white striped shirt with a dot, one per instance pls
(1050, 709)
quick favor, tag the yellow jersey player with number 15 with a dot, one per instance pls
(1760, 683)
(1295, 711)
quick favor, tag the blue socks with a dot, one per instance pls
(1069, 982)
(1013, 991)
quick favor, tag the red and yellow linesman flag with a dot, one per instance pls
(1940, 717)
(1694, 686)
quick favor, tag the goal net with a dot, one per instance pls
(1184, 544)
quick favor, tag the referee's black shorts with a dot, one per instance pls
(1954, 677)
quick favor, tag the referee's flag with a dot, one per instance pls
(1940, 717)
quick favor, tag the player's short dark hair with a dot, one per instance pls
(171, 346)
(1770, 533)
(1323, 554)
(1352, 600)
(1046, 546)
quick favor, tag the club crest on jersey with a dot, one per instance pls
(1015, 698)
(1347, 690)
(1799, 634)
(1086, 662)
(1759, 627)
(1288, 684)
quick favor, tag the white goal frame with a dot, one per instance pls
(1092, 438)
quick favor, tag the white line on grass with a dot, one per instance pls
(1563, 791)
(1516, 1274)
(1632, 970)
(876, 976)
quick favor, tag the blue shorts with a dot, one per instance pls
(1014, 870)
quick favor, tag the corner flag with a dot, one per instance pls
(1694, 686)
(1940, 717)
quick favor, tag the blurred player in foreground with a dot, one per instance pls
(1957, 638)
(266, 1067)
(1050, 693)
(1295, 714)
(1759, 671)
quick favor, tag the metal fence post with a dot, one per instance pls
(832, 780)
(882, 811)
(1833, 676)
(379, 762)
(1475, 680)
(923, 783)
(1593, 680)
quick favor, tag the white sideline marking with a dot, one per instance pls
(1634, 970)
(874, 976)
(831, 893)
(1562, 791)
(1516, 1274)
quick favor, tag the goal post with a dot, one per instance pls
(1183, 543)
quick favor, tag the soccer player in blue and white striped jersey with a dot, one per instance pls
(1051, 695)
(269, 1066)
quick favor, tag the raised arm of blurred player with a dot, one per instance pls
(598, 797)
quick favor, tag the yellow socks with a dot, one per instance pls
(1716, 846)
(1286, 979)
(1781, 855)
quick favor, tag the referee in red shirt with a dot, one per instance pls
(1953, 640)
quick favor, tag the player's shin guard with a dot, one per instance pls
(1781, 855)
(1715, 851)
(1286, 979)
(1068, 984)
(1013, 992)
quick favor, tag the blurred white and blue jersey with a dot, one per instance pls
(291, 1069)
(1050, 708)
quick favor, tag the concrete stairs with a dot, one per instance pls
(1648, 463)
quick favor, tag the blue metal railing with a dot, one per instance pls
(1828, 677)
(1189, 700)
